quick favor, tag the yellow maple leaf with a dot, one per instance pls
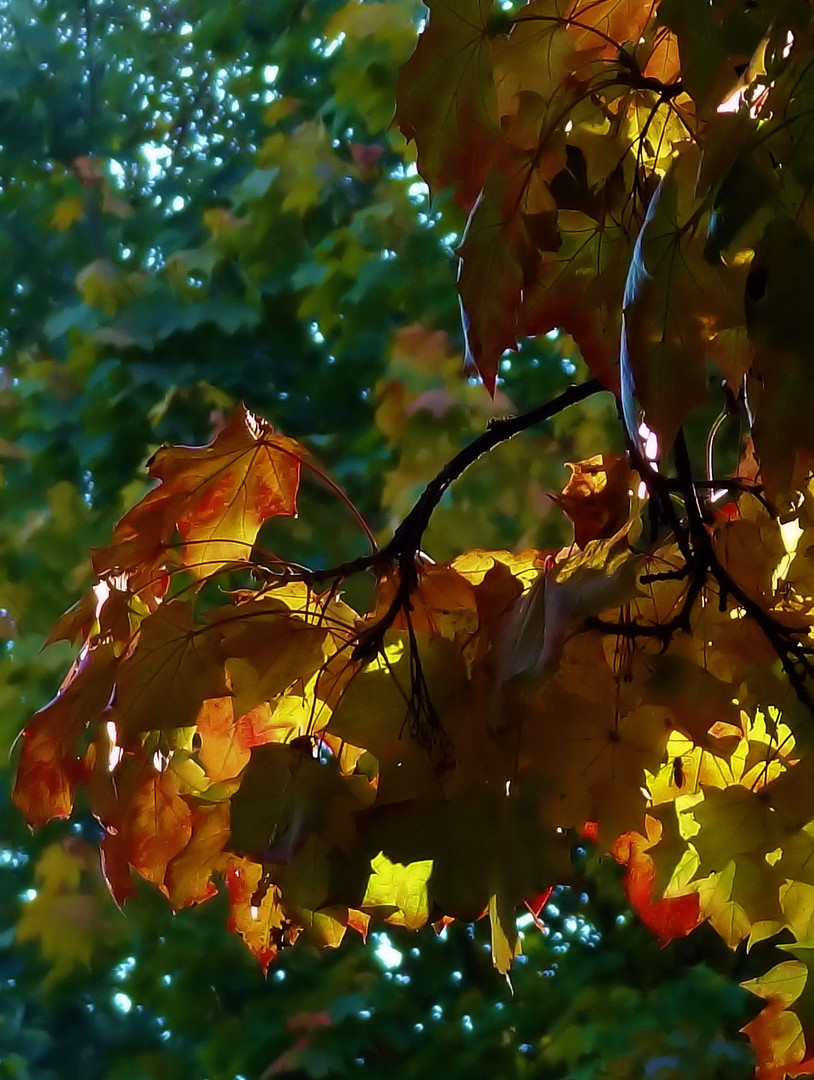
(62, 919)
(67, 212)
(401, 887)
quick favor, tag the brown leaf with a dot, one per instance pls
(49, 766)
(446, 97)
(215, 496)
(151, 823)
(597, 497)
(188, 878)
(173, 669)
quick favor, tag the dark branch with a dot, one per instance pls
(404, 545)
(407, 536)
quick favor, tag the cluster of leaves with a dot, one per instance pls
(636, 175)
(135, 277)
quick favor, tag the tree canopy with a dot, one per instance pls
(275, 684)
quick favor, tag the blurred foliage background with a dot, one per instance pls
(201, 204)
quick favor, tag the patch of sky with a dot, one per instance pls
(332, 46)
(157, 158)
(388, 956)
(8, 856)
(418, 191)
(401, 171)
(122, 1002)
(116, 171)
(123, 970)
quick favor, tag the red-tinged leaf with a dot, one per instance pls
(225, 745)
(255, 913)
(173, 669)
(226, 742)
(152, 823)
(579, 288)
(446, 97)
(668, 918)
(267, 649)
(497, 259)
(359, 921)
(596, 498)
(605, 25)
(536, 903)
(215, 496)
(75, 623)
(188, 879)
(535, 58)
(776, 1033)
(50, 766)
(116, 868)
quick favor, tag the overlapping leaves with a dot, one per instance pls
(637, 175)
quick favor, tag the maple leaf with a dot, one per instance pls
(68, 913)
(188, 876)
(254, 912)
(150, 825)
(67, 212)
(215, 496)
(531, 638)
(49, 766)
(393, 885)
(446, 97)
(675, 303)
(578, 289)
(227, 739)
(714, 45)
(605, 25)
(776, 1033)
(267, 649)
(779, 279)
(285, 795)
(596, 497)
(668, 917)
(498, 257)
(174, 667)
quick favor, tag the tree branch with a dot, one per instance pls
(402, 549)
